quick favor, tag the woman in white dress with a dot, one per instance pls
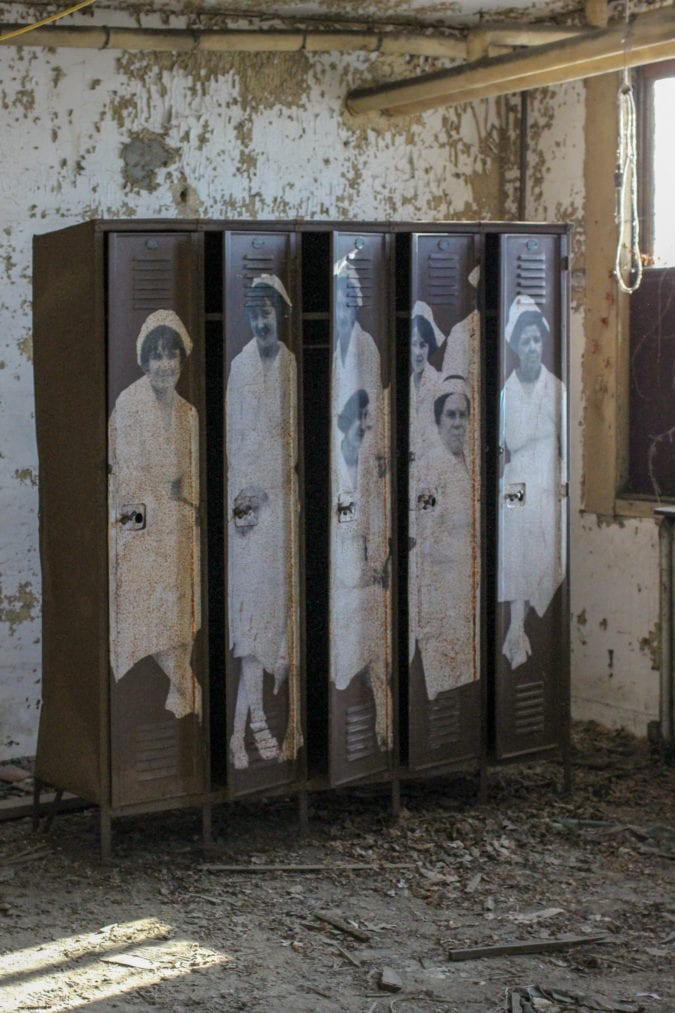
(532, 544)
(261, 412)
(424, 382)
(447, 594)
(359, 614)
(153, 452)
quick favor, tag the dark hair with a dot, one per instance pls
(352, 408)
(161, 337)
(440, 402)
(426, 331)
(256, 294)
(527, 319)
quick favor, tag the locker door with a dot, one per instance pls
(262, 503)
(155, 398)
(444, 481)
(530, 691)
(361, 566)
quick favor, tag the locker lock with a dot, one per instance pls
(426, 499)
(515, 494)
(346, 508)
(132, 517)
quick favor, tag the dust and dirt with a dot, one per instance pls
(165, 926)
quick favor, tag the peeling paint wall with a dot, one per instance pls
(614, 563)
(112, 135)
(105, 134)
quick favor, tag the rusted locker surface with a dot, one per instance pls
(444, 496)
(531, 673)
(70, 416)
(262, 502)
(361, 713)
(155, 401)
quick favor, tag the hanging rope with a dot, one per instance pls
(628, 275)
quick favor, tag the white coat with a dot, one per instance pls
(532, 543)
(261, 447)
(155, 600)
(422, 434)
(447, 586)
(358, 603)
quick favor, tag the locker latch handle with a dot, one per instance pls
(346, 508)
(426, 499)
(515, 493)
(132, 516)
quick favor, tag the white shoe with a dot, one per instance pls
(238, 752)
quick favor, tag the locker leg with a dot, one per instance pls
(482, 784)
(395, 798)
(303, 810)
(53, 810)
(567, 769)
(207, 828)
(37, 791)
(105, 834)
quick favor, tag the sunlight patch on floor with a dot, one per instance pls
(75, 970)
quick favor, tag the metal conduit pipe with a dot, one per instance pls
(237, 41)
(522, 156)
(494, 37)
(665, 733)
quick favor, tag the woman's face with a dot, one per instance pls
(528, 350)
(358, 429)
(453, 423)
(263, 318)
(419, 351)
(164, 366)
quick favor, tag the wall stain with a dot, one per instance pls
(651, 645)
(143, 155)
(19, 607)
(25, 346)
(26, 476)
(187, 200)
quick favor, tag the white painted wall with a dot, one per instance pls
(614, 565)
(255, 136)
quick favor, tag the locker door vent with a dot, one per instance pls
(444, 721)
(364, 267)
(256, 264)
(442, 279)
(152, 283)
(529, 708)
(360, 733)
(531, 276)
(156, 751)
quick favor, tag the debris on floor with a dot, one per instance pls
(276, 920)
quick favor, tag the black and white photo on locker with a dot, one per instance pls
(263, 511)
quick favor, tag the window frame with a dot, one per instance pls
(646, 77)
(606, 359)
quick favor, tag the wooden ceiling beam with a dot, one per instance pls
(649, 38)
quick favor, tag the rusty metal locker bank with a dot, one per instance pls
(303, 502)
